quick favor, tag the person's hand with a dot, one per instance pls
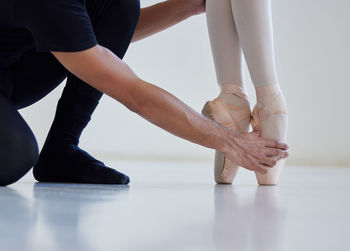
(252, 152)
(195, 7)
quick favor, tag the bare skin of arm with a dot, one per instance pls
(161, 16)
(103, 70)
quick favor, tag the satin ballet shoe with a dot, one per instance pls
(274, 114)
(232, 117)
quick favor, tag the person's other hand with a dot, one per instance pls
(253, 152)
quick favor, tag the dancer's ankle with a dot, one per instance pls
(234, 94)
(271, 96)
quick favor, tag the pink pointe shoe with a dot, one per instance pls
(271, 119)
(230, 116)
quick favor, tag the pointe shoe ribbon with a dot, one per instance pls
(225, 114)
(235, 89)
(262, 113)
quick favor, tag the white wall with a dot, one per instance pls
(312, 49)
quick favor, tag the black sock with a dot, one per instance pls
(61, 160)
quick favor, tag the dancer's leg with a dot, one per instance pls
(61, 160)
(226, 49)
(253, 20)
(227, 54)
(18, 147)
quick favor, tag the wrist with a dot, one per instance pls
(220, 139)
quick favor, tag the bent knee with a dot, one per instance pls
(11, 173)
(18, 154)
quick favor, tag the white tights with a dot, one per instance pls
(238, 27)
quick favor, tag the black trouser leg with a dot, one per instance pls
(61, 160)
(114, 22)
(34, 76)
(18, 147)
(25, 82)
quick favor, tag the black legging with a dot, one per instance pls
(37, 74)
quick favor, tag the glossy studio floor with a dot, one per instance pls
(177, 206)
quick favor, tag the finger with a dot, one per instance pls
(262, 171)
(274, 152)
(282, 146)
(276, 144)
(248, 163)
(267, 161)
(257, 166)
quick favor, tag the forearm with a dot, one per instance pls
(159, 17)
(168, 112)
(103, 70)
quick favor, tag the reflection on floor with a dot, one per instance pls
(176, 206)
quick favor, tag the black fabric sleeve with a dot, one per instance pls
(57, 25)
